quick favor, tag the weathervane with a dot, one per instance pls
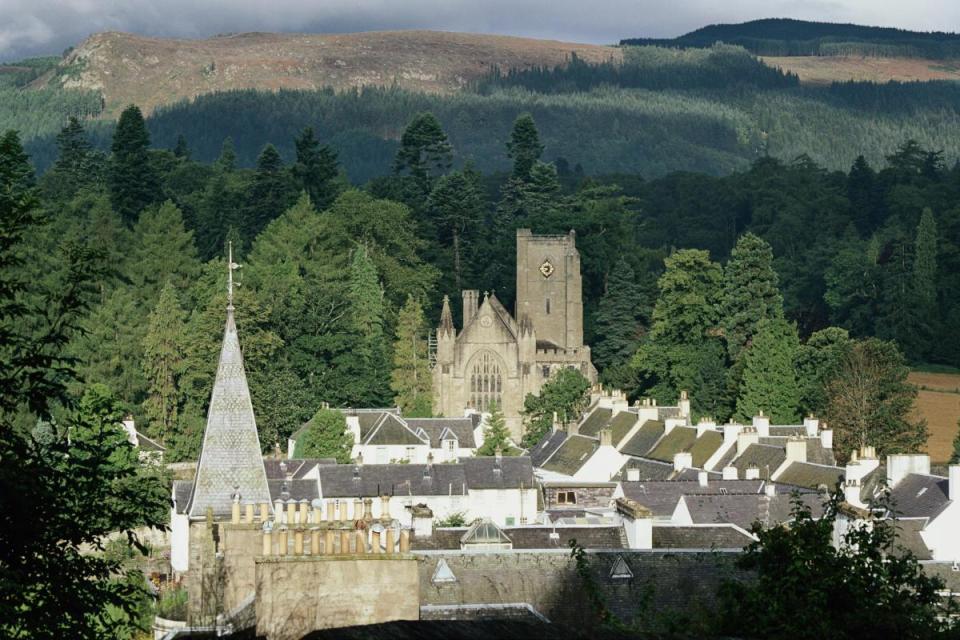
(231, 267)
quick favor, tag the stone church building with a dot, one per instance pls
(498, 358)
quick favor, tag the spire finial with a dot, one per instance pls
(231, 267)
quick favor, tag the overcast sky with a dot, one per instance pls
(31, 27)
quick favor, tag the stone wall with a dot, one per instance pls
(296, 595)
(682, 583)
(588, 497)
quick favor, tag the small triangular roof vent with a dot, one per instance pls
(443, 573)
(620, 570)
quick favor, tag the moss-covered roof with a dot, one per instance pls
(571, 455)
(765, 457)
(705, 446)
(645, 437)
(597, 420)
(811, 476)
(621, 424)
(678, 440)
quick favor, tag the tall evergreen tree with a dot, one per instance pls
(617, 323)
(78, 165)
(133, 181)
(457, 208)
(227, 161)
(410, 379)
(271, 192)
(769, 378)
(862, 194)
(899, 318)
(181, 149)
(425, 152)
(496, 437)
(163, 249)
(315, 169)
(524, 146)
(367, 367)
(925, 285)
(163, 360)
(366, 296)
(750, 292)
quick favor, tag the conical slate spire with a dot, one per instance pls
(230, 460)
(446, 317)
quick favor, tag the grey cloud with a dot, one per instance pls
(31, 27)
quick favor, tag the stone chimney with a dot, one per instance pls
(746, 437)
(684, 404)
(705, 424)
(730, 432)
(573, 428)
(851, 491)
(762, 424)
(606, 438)
(811, 425)
(422, 517)
(637, 523)
(769, 489)
(682, 460)
(826, 438)
(703, 478)
(953, 486)
(900, 465)
(752, 473)
(633, 474)
(796, 449)
(729, 472)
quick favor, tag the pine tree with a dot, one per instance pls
(862, 194)
(271, 192)
(496, 436)
(78, 165)
(227, 161)
(163, 249)
(925, 285)
(326, 436)
(315, 169)
(457, 208)
(750, 292)
(424, 151)
(524, 146)
(618, 320)
(542, 198)
(181, 149)
(368, 363)
(132, 179)
(163, 363)
(410, 379)
(366, 296)
(769, 378)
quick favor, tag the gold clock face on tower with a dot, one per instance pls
(546, 269)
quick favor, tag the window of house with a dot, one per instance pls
(546, 371)
(566, 497)
(411, 452)
(451, 445)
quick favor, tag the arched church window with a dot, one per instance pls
(486, 381)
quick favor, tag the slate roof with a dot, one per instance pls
(548, 444)
(435, 428)
(920, 496)
(181, 494)
(148, 444)
(908, 537)
(765, 457)
(787, 430)
(811, 476)
(532, 537)
(644, 439)
(743, 510)
(723, 536)
(621, 424)
(726, 459)
(370, 480)
(661, 497)
(230, 458)
(571, 455)
(293, 490)
(391, 429)
(872, 484)
(295, 467)
(597, 420)
(648, 469)
(705, 446)
(816, 452)
(678, 440)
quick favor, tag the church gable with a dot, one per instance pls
(491, 324)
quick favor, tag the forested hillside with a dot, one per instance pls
(819, 271)
(789, 37)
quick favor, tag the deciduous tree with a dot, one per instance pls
(325, 436)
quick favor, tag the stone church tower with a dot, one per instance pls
(498, 358)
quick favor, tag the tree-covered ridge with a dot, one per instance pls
(790, 37)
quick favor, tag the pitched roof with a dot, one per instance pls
(293, 490)
(765, 457)
(549, 443)
(920, 496)
(908, 536)
(532, 537)
(648, 469)
(181, 494)
(721, 536)
(661, 497)
(811, 476)
(293, 467)
(597, 420)
(678, 440)
(621, 424)
(571, 455)
(743, 510)
(230, 458)
(438, 429)
(509, 472)
(391, 429)
(705, 446)
(644, 439)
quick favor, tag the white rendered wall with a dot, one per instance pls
(179, 541)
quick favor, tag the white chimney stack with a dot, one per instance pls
(826, 438)
(762, 424)
(704, 425)
(730, 432)
(812, 426)
(796, 450)
(752, 473)
(633, 474)
(729, 472)
(745, 438)
(900, 465)
(682, 460)
(770, 489)
(684, 404)
(703, 478)
(953, 488)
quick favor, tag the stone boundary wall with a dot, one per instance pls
(661, 582)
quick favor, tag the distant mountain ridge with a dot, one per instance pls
(790, 37)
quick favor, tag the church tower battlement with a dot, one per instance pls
(550, 288)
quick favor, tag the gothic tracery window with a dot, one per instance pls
(486, 381)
